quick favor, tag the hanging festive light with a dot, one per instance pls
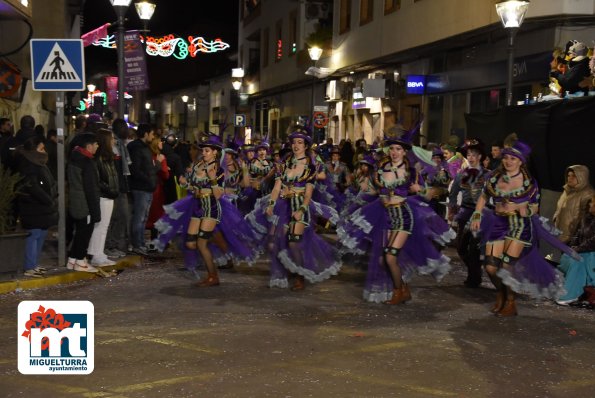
(170, 45)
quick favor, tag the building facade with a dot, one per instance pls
(381, 52)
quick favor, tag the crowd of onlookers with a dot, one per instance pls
(118, 179)
(572, 71)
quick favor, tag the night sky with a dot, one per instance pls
(209, 19)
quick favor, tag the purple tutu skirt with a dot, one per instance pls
(326, 193)
(320, 259)
(242, 241)
(532, 274)
(354, 200)
(366, 230)
(247, 199)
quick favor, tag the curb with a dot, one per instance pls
(63, 277)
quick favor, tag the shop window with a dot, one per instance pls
(344, 16)
(391, 6)
(435, 118)
(366, 11)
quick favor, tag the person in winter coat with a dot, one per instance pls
(83, 195)
(580, 273)
(109, 190)
(156, 209)
(37, 203)
(143, 181)
(573, 201)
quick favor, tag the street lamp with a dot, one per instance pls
(148, 108)
(185, 101)
(145, 11)
(120, 6)
(315, 53)
(236, 78)
(511, 13)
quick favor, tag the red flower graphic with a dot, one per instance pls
(43, 319)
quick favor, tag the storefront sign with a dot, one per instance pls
(416, 84)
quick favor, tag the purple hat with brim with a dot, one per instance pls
(368, 159)
(335, 149)
(212, 141)
(301, 132)
(232, 148)
(519, 150)
(437, 152)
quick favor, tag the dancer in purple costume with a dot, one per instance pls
(284, 218)
(511, 234)
(399, 227)
(363, 190)
(205, 212)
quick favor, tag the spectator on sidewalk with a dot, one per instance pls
(573, 201)
(156, 209)
(143, 181)
(579, 274)
(83, 204)
(109, 190)
(118, 234)
(5, 133)
(27, 130)
(51, 147)
(37, 205)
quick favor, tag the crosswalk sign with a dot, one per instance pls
(57, 65)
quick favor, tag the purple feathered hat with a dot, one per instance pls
(437, 151)
(301, 132)
(519, 149)
(212, 141)
(264, 144)
(474, 144)
(398, 135)
(335, 149)
(368, 159)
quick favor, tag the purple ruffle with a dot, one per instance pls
(365, 231)
(532, 274)
(321, 260)
(241, 240)
(326, 193)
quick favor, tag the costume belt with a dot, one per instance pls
(507, 213)
(203, 195)
(292, 194)
(398, 204)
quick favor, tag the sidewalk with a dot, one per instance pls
(61, 275)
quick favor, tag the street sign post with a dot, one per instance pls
(58, 65)
(239, 120)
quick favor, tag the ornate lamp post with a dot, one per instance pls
(511, 13)
(120, 6)
(315, 53)
(185, 101)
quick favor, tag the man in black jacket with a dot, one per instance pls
(143, 181)
(83, 204)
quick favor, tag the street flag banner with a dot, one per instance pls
(135, 67)
(111, 88)
(94, 35)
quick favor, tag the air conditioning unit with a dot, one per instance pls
(335, 91)
(317, 10)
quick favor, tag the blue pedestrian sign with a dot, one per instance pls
(239, 120)
(57, 65)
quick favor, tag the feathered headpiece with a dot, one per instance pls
(303, 132)
(519, 149)
(211, 140)
(398, 135)
(264, 143)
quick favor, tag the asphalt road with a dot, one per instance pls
(158, 336)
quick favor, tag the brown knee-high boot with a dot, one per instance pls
(500, 291)
(509, 308)
(401, 294)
